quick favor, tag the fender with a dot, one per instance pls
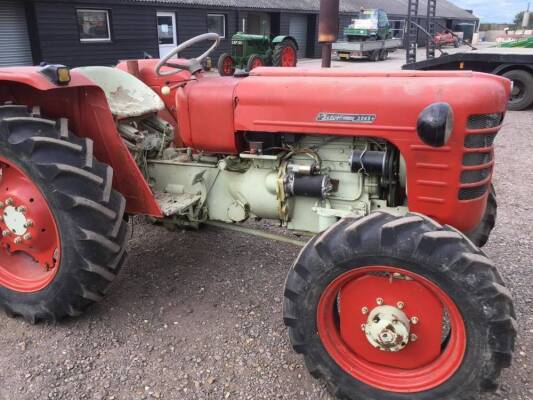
(85, 106)
(281, 38)
(504, 67)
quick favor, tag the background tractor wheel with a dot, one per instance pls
(63, 233)
(394, 308)
(254, 61)
(522, 94)
(383, 55)
(226, 65)
(481, 234)
(285, 54)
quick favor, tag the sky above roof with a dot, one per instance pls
(502, 11)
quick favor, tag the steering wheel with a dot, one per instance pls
(194, 64)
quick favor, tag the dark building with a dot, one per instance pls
(100, 32)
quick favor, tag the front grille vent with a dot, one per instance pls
(485, 121)
(475, 175)
(471, 159)
(478, 141)
(472, 192)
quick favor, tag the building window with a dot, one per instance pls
(94, 25)
(217, 23)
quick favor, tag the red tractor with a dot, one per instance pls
(446, 38)
(392, 298)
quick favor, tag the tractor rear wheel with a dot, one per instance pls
(285, 54)
(390, 307)
(480, 235)
(254, 61)
(226, 65)
(63, 233)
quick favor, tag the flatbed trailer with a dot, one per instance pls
(515, 64)
(376, 50)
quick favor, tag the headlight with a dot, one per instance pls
(435, 124)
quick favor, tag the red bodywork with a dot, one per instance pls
(85, 105)
(213, 111)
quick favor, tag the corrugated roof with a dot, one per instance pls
(445, 9)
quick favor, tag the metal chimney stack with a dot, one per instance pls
(328, 28)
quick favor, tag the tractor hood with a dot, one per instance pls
(345, 103)
(348, 103)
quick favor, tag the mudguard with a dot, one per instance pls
(281, 38)
(89, 115)
(501, 69)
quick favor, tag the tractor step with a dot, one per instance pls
(172, 204)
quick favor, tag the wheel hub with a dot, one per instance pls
(29, 243)
(387, 328)
(15, 220)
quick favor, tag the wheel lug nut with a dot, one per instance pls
(6, 233)
(400, 305)
(414, 338)
(379, 301)
(28, 224)
(17, 240)
(27, 236)
(9, 201)
(414, 320)
(364, 310)
(21, 209)
(363, 326)
(1, 204)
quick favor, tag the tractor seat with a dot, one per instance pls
(126, 95)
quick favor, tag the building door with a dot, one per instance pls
(15, 46)
(166, 32)
(298, 30)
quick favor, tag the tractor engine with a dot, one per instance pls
(307, 182)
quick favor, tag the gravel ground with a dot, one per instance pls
(197, 315)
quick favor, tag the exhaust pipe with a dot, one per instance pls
(328, 28)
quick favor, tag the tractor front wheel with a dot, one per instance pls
(390, 307)
(480, 235)
(63, 233)
(254, 61)
(285, 54)
(226, 65)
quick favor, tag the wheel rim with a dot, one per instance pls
(518, 92)
(227, 66)
(30, 244)
(256, 62)
(288, 57)
(424, 366)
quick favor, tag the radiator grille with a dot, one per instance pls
(485, 121)
(239, 50)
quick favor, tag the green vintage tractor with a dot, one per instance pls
(371, 24)
(251, 51)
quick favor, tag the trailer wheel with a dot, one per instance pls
(395, 308)
(285, 54)
(480, 235)
(63, 233)
(383, 55)
(375, 55)
(226, 65)
(254, 61)
(522, 94)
